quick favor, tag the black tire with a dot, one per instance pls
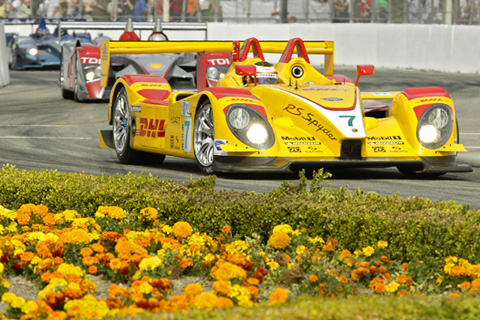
(12, 59)
(122, 132)
(66, 94)
(76, 91)
(415, 172)
(204, 137)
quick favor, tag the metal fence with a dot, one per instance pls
(251, 11)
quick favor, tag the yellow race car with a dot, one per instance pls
(282, 116)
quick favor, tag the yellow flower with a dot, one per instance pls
(392, 287)
(301, 249)
(182, 230)
(150, 263)
(29, 307)
(193, 289)
(148, 214)
(280, 295)
(279, 240)
(381, 244)
(285, 228)
(368, 251)
(317, 239)
(205, 300)
(228, 271)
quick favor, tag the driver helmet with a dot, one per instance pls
(266, 73)
(157, 34)
(41, 32)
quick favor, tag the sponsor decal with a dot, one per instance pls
(185, 108)
(174, 142)
(381, 93)
(104, 50)
(431, 100)
(186, 136)
(218, 62)
(302, 143)
(385, 140)
(332, 99)
(243, 100)
(175, 120)
(136, 109)
(311, 149)
(155, 65)
(379, 149)
(152, 128)
(311, 120)
(294, 149)
(89, 60)
(286, 138)
(397, 149)
(218, 151)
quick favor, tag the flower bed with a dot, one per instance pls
(141, 257)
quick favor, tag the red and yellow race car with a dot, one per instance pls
(277, 116)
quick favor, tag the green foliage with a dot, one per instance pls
(415, 228)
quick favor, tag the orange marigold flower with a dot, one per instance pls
(185, 263)
(28, 208)
(253, 281)
(49, 219)
(86, 252)
(23, 218)
(280, 295)
(97, 247)
(182, 230)
(193, 289)
(345, 253)
(223, 302)
(342, 278)
(226, 229)
(465, 286)
(253, 291)
(221, 287)
(205, 300)
(402, 293)
(41, 210)
(27, 256)
(313, 278)
(115, 264)
(279, 240)
(92, 269)
(453, 295)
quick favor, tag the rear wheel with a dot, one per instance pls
(122, 131)
(12, 59)
(204, 137)
(66, 94)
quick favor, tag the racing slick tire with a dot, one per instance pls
(66, 94)
(204, 137)
(122, 131)
(76, 91)
(12, 58)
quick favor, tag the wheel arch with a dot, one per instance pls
(115, 90)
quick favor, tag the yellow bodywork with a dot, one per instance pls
(311, 115)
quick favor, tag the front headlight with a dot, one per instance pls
(92, 73)
(33, 51)
(212, 73)
(435, 126)
(250, 126)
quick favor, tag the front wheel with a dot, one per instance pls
(204, 137)
(122, 131)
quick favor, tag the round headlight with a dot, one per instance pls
(435, 126)
(257, 134)
(33, 51)
(89, 76)
(212, 73)
(250, 126)
(239, 118)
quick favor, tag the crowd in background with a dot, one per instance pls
(299, 11)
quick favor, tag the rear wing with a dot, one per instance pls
(137, 26)
(109, 48)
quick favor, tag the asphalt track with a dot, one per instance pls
(39, 130)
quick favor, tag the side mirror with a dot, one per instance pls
(364, 70)
(247, 70)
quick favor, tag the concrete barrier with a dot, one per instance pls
(4, 73)
(443, 48)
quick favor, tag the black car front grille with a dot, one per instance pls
(351, 150)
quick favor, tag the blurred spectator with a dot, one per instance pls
(175, 10)
(467, 12)
(364, 10)
(14, 8)
(25, 9)
(292, 19)
(53, 9)
(433, 12)
(63, 9)
(382, 11)
(140, 10)
(415, 11)
(99, 10)
(127, 9)
(87, 9)
(207, 10)
(2, 9)
(191, 14)
(341, 10)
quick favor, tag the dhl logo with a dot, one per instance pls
(153, 128)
